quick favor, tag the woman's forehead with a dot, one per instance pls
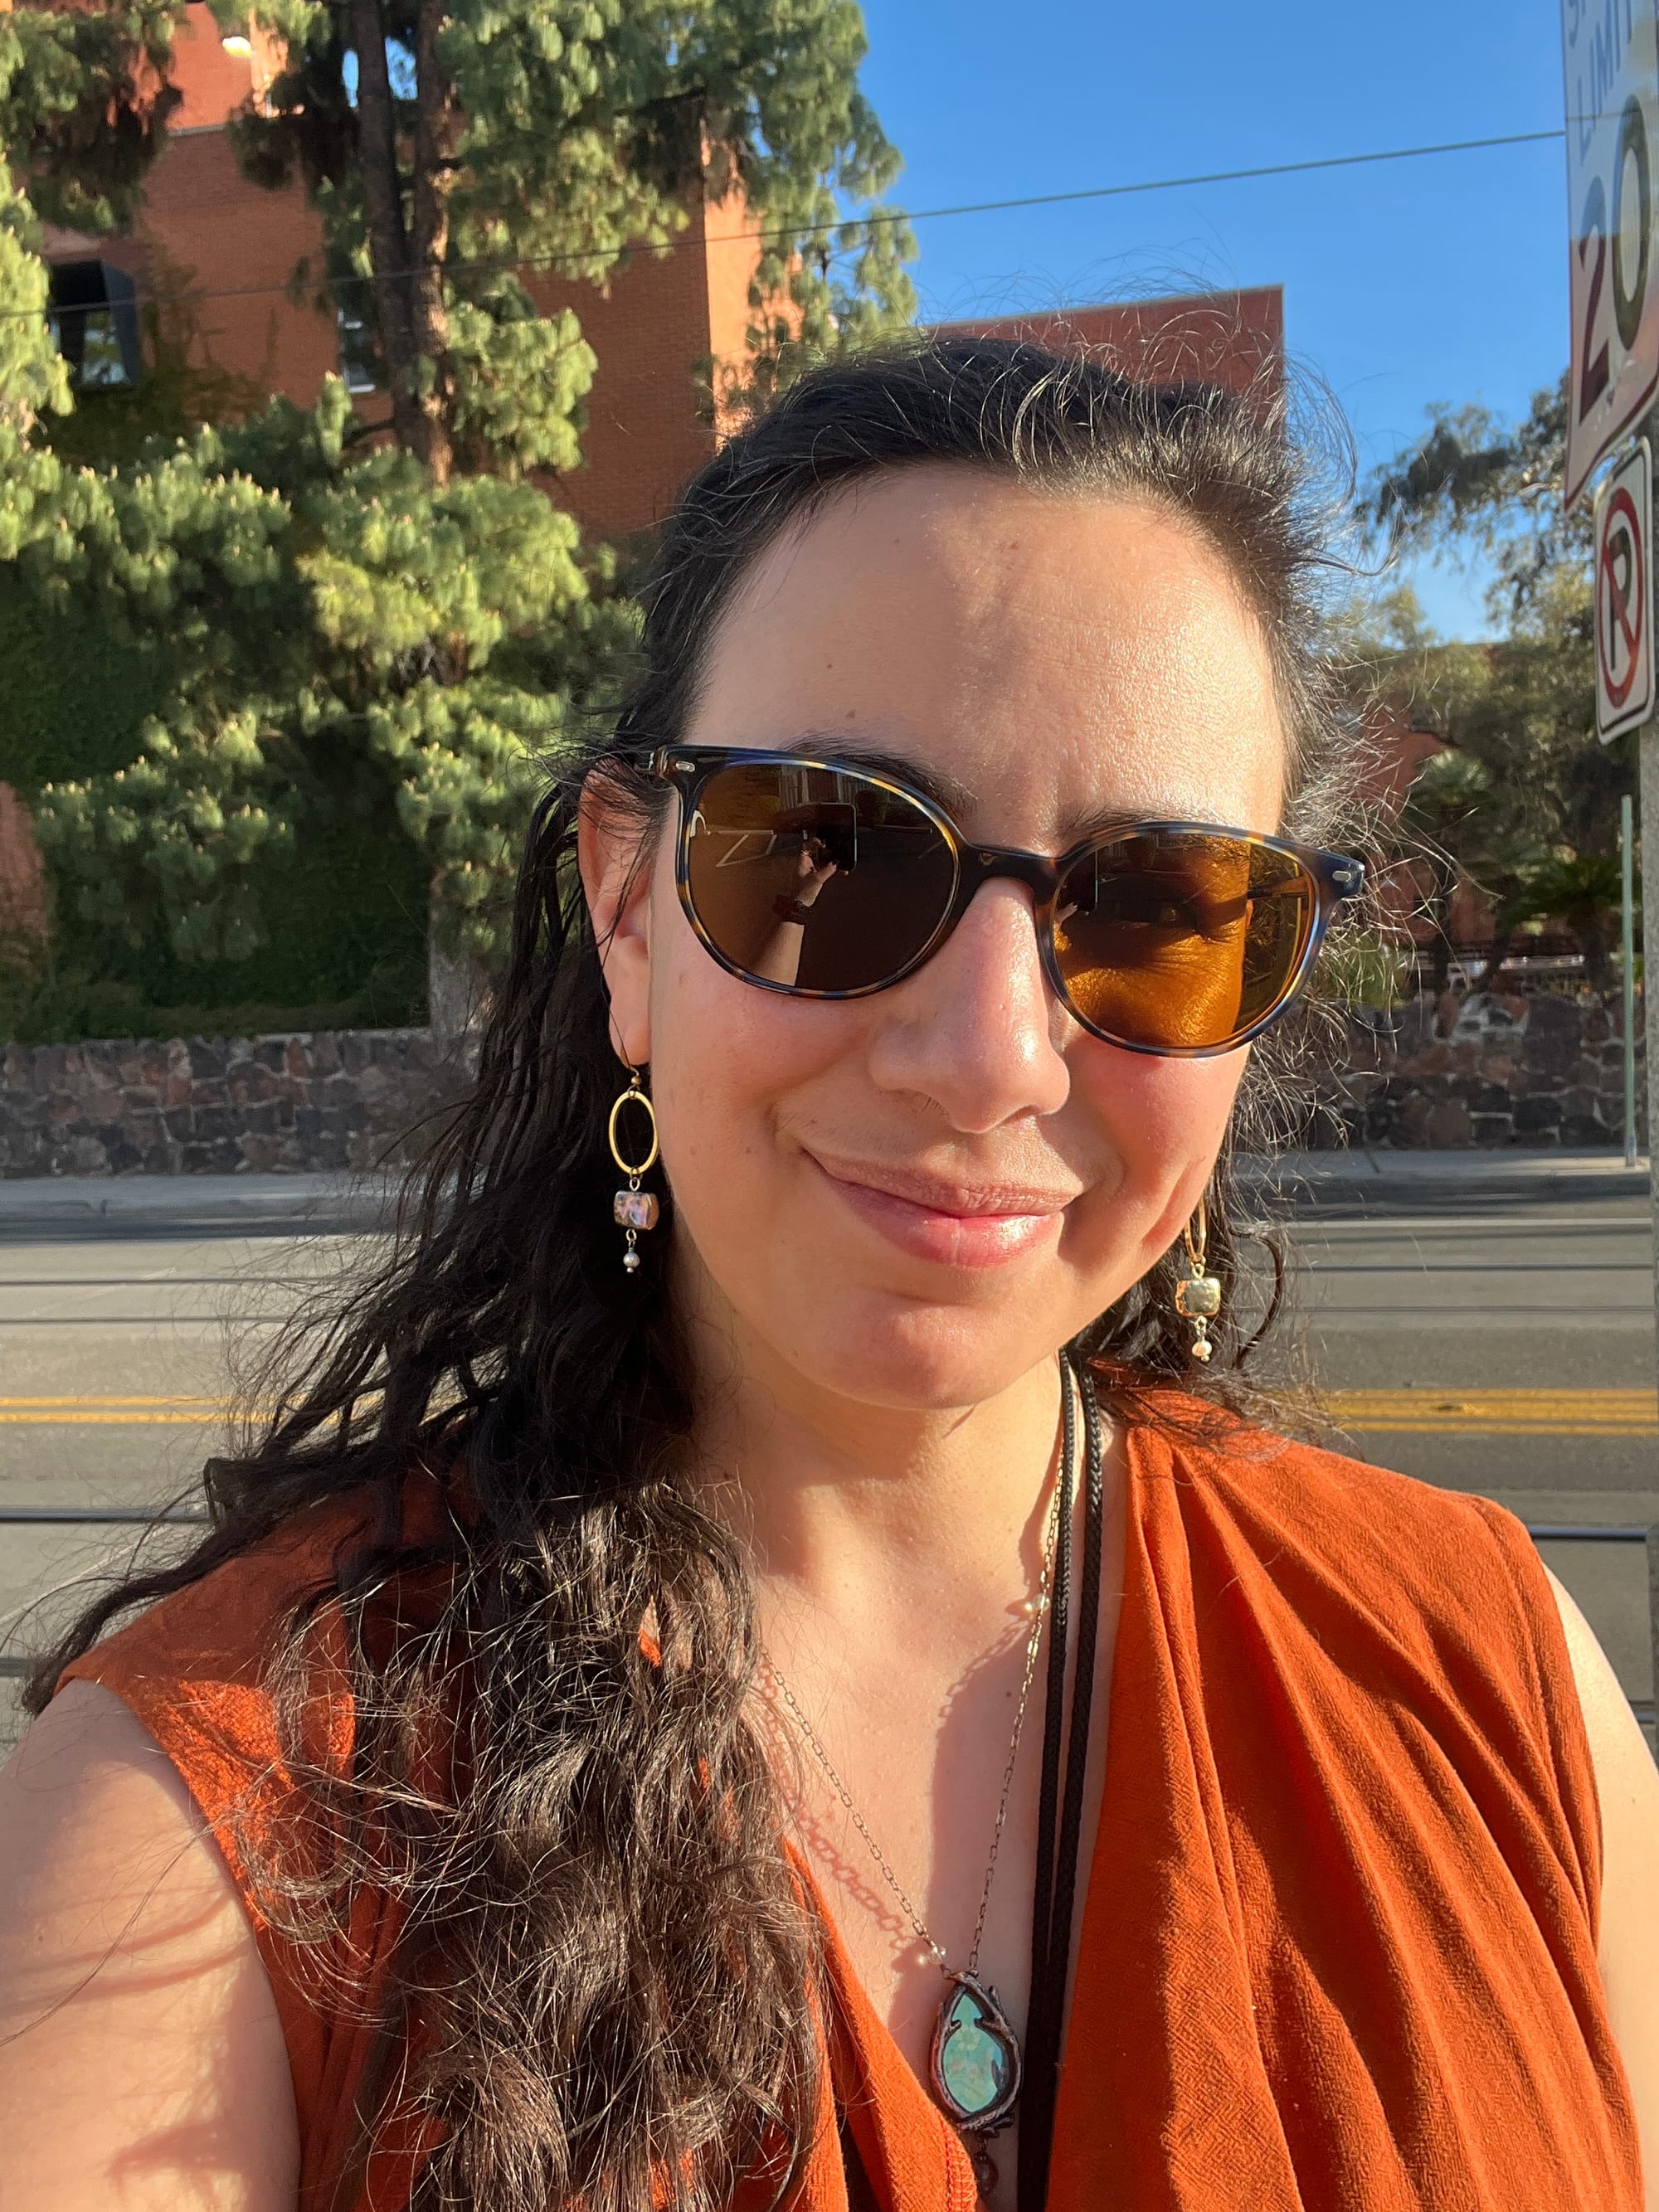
(1053, 657)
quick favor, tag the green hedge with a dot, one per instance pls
(345, 915)
(71, 697)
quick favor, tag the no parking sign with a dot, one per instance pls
(1624, 596)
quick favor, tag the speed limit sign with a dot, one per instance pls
(1612, 53)
(1624, 596)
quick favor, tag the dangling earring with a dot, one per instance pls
(1198, 1299)
(633, 1209)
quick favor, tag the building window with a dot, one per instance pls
(94, 319)
(357, 364)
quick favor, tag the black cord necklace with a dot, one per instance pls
(1060, 1817)
(980, 2074)
(978, 2071)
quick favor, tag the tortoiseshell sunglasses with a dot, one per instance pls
(825, 880)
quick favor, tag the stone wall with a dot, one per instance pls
(198, 1105)
(1499, 1069)
(1495, 1069)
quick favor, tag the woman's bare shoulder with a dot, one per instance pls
(142, 2060)
(1627, 1786)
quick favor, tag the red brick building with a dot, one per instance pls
(1235, 339)
(225, 251)
(208, 240)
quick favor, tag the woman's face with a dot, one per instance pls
(910, 1200)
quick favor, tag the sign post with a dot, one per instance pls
(1627, 966)
(1611, 68)
(1625, 688)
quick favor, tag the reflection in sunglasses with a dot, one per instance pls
(1155, 952)
(1166, 936)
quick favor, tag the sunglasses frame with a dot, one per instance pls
(1335, 877)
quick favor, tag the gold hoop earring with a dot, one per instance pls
(633, 1209)
(1198, 1299)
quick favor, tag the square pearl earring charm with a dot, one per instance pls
(635, 1209)
(1197, 1299)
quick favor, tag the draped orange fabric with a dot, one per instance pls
(1338, 1947)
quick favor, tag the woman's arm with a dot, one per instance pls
(142, 2060)
(779, 958)
(1627, 1783)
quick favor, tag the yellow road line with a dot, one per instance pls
(1374, 1412)
(1497, 1412)
(82, 1411)
(81, 1419)
(1402, 1428)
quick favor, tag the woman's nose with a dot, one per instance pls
(976, 1028)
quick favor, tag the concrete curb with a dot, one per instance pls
(1406, 1182)
(293, 1205)
(205, 1205)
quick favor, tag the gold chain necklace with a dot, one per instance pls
(975, 2062)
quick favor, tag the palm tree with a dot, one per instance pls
(1585, 890)
(1455, 817)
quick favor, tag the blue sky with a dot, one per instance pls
(1405, 283)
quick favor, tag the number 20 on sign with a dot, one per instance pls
(1624, 596)
(1611, 52)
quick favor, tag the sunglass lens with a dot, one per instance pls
(815, 878)
(1173, 939)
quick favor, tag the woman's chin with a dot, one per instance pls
(908, 1355)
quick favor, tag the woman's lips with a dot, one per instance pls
(953, 1227)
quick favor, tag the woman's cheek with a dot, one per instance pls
(723, 1055)
(1165, 1121)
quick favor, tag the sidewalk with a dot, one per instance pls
(293, 1205)
(182, 1205)
(1441, 1183)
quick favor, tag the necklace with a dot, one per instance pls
(975, 2063)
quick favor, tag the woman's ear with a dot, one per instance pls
(613, 853)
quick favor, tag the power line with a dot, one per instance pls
(1227, 176)
(885, 219)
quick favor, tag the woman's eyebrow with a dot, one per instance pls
(1099, 821)
(955, 798)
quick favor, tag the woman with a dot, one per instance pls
(770, 1674)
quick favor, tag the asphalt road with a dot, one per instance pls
(1511, 1354)
(1505, 1348)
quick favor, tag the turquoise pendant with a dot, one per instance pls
(976, 2060)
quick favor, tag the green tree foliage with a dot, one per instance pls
(85, 104)
(1475, 482)
(1528, 808)
(452, 144)
(32, 378)
(348, 627)
(340, 640)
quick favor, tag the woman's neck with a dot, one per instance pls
(857, 1513)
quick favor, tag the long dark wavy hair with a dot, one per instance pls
(608, 1956)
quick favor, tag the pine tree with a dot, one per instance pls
(350, 627)
(85, 104)
(455, 145)
(33, 377)
(341, 638)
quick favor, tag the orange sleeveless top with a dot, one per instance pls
(1339, 1939)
